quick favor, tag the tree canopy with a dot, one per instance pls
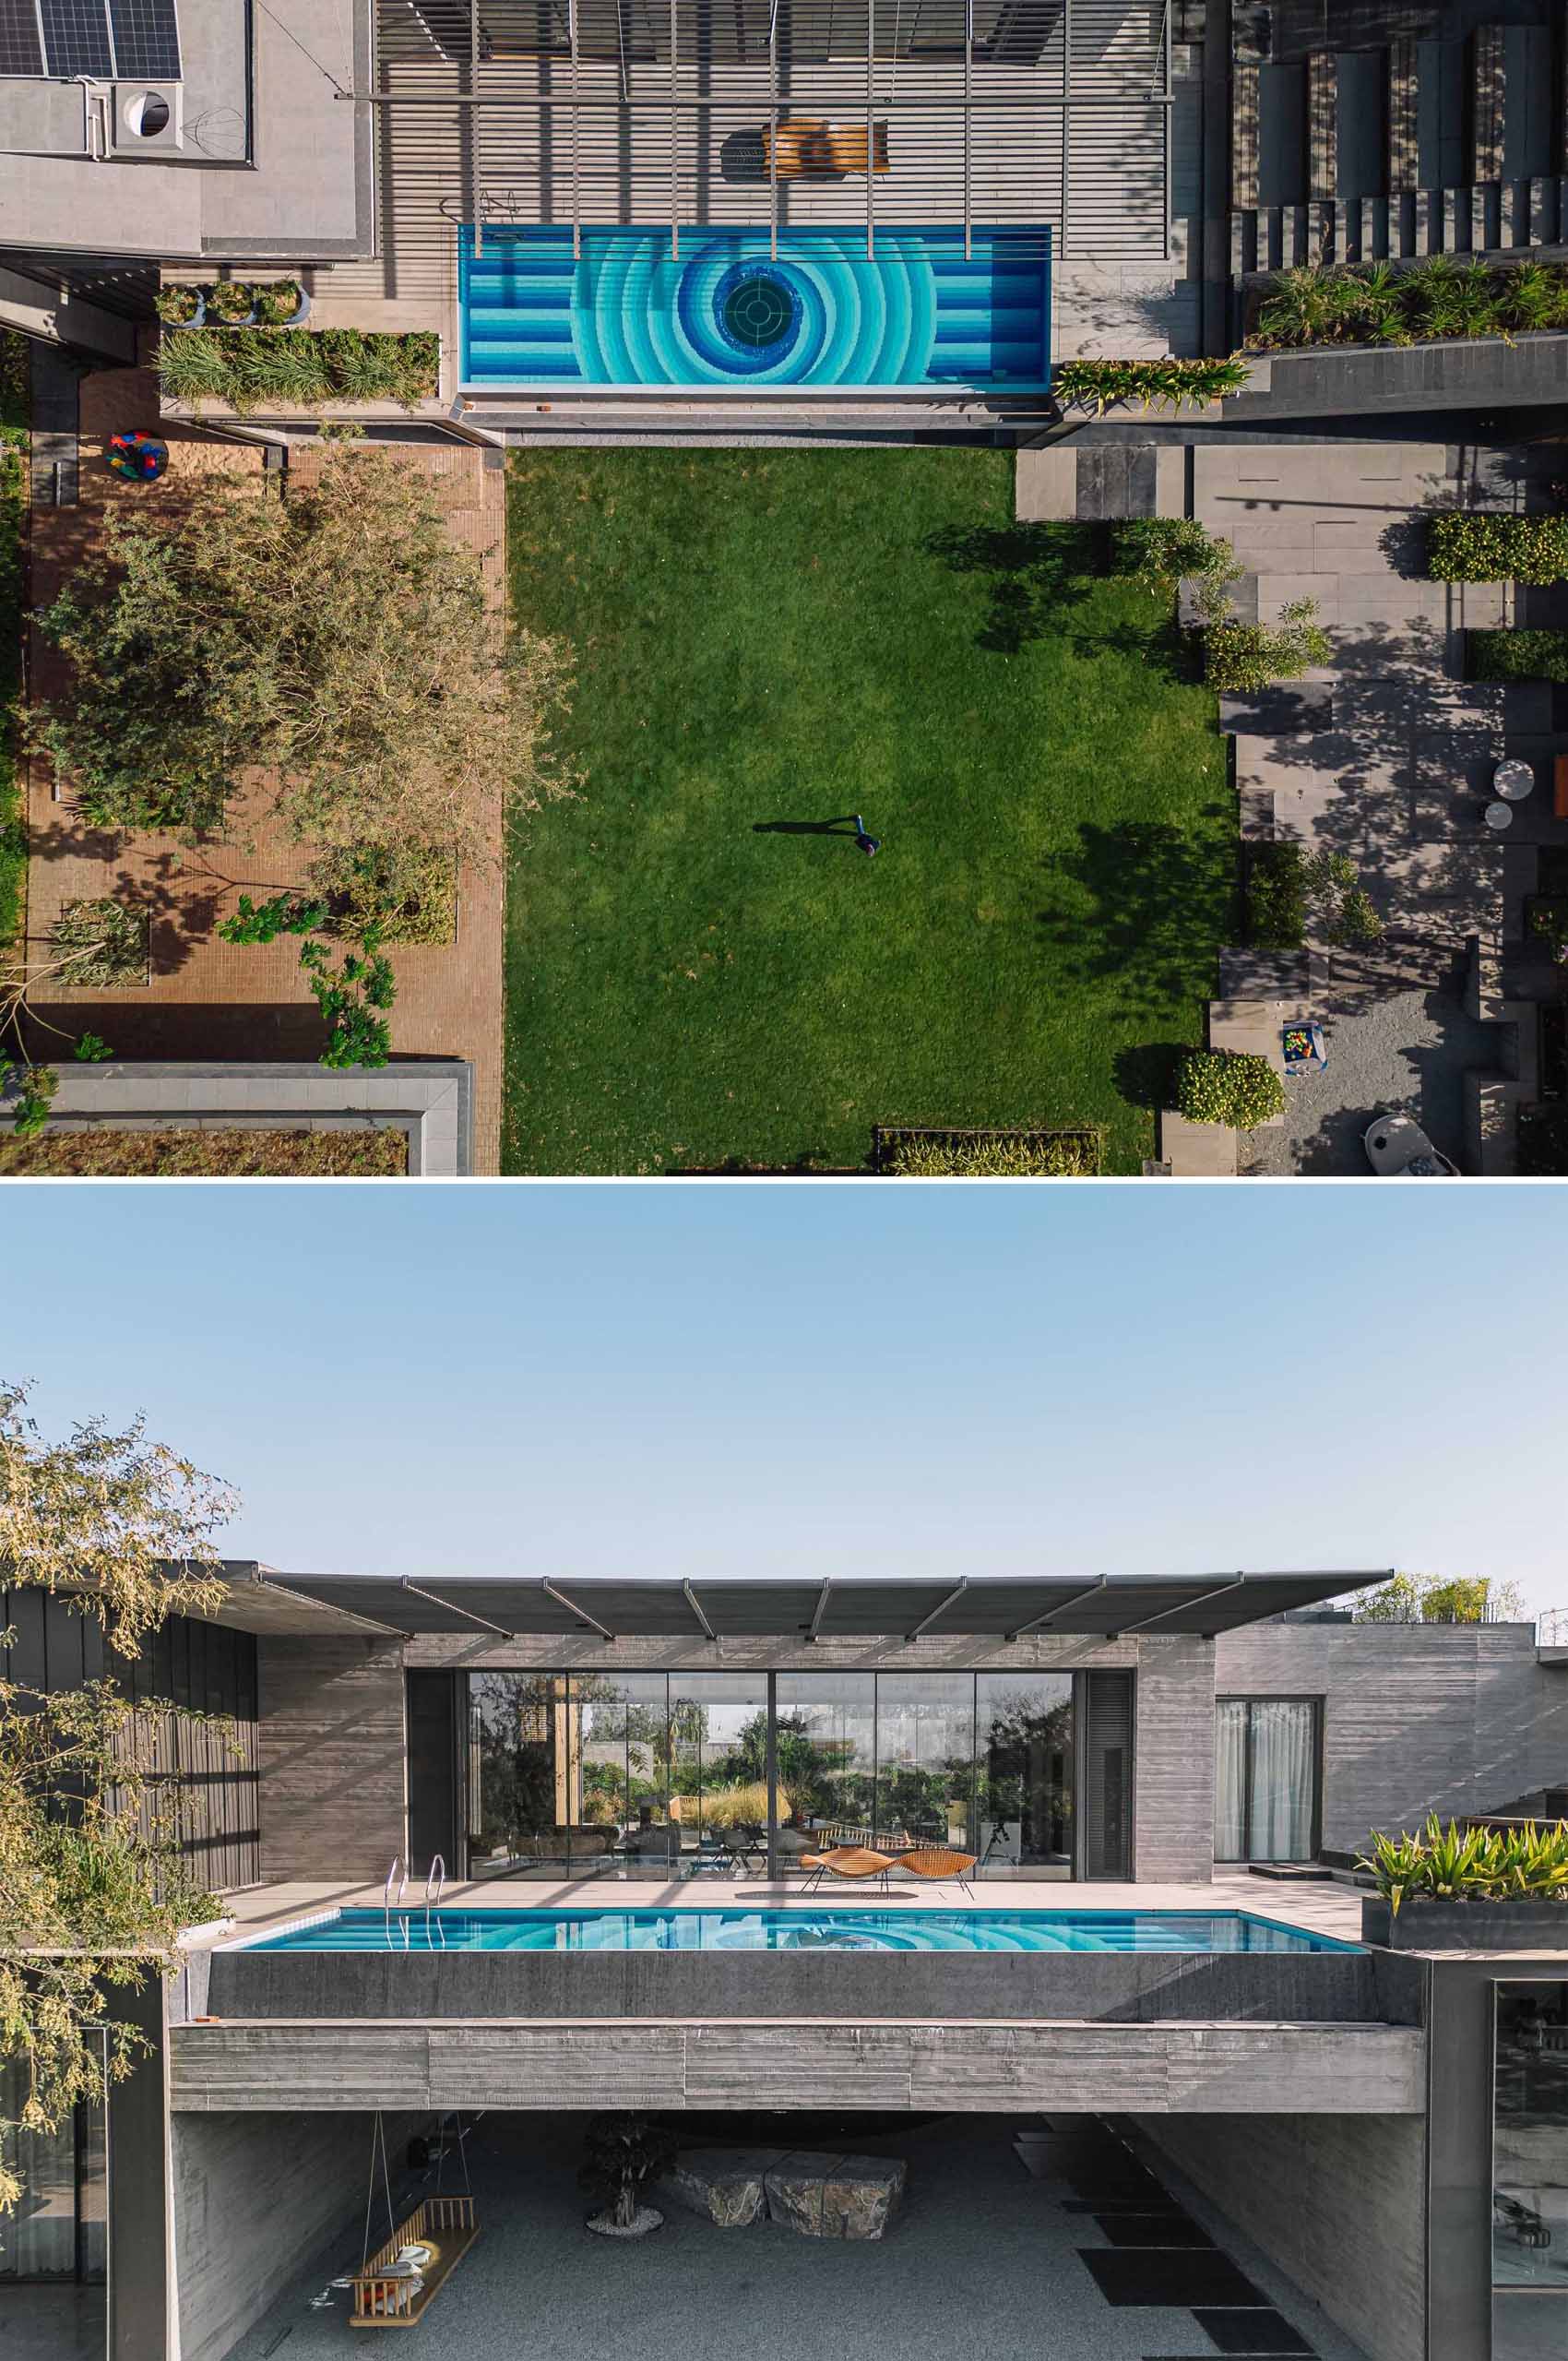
(93, 1889)
(336, 635)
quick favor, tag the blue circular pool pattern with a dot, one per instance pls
(617, 307)
(759, 311)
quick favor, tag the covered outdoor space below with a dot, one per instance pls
(1072, 2242)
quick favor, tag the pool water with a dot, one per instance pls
(728, 311)
(793, 1931)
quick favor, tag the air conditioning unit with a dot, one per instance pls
(146, 120)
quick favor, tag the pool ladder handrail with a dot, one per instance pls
(387, 1903)
(435, 1886)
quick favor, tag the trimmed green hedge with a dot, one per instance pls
(1471, 546)
(1230, 1086)
(1517, 655)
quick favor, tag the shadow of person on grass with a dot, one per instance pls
(845, 825)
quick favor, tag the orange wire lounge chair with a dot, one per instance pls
(846, 1861)
(938, 1863)
(809, 149)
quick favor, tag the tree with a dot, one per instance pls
(337, 635)
(93, 1891)
(621, 2154)
(1438, 1598)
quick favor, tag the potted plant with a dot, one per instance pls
(179, 306)
(622, 2155)
(231, 303)
(284, 302)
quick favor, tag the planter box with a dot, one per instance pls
(1424, 1925)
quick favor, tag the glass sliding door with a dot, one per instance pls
(719, 1772)
(925, 1757)
(1024, 1751)
(620, 1734)
(1266, 1779)
(826, 1739)
(522, 1775)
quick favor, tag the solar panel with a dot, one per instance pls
(146, 40)
(76, 37)
(19, 50)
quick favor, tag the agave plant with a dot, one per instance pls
(1398, 1865)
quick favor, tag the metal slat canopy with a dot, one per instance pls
(992, 1606)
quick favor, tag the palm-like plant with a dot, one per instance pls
(1530, 296)
(1301, 307)
(1476, 300)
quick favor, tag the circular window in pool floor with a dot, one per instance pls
(758, 311)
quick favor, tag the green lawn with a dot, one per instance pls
(786, 637)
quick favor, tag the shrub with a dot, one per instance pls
(1276, 897)
(409, 893)
(1474, 545)
(1517, 655)
(350, 998)
(1241, 658)
(33, 1089)
(230, 301)
(1381, 303)
(177, 306)
(1548, 915)
(1158, 552)
(1168, 385)
(993, 1155)
(194, 367)
(276, 304)
(1452, 1864)
(1227, 1085)
(99, 942)
(741, 1807)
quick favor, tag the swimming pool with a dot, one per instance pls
(729, 312)
(792, 1930)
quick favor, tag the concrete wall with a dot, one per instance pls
(257, 2198)
(1173, 1761)
(1229, 2070)
(1339, 2202)
(330, 1728)
(1417, 1718)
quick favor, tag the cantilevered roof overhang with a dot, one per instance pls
(991, 1606)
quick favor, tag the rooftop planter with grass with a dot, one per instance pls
(989, 1155)
(1167, 383)
(298, 368)
(1457, 1888)
(100, 943)
(1425, 302)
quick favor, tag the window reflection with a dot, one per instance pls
(826, 1745)
(719, 1772)
(1529, 2173)
(1025, 1746)
(926, 1750)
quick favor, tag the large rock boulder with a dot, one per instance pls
(835, 2197)
(725, 2183)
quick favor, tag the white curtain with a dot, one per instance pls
(1230, 1781)
(1280, 1783)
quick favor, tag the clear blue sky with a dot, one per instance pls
(566, 1378)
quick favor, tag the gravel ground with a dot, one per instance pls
(1405, 1050)
(980, 2260)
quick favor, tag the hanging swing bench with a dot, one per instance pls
(394, 2287)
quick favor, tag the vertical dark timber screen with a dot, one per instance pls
(1108, 1775)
